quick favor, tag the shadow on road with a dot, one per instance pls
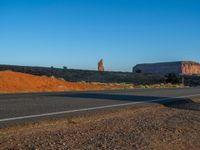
(178, 103)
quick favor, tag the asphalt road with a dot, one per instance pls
(16, 108)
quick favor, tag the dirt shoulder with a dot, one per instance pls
(169, 126)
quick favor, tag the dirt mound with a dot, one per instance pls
(21, 82)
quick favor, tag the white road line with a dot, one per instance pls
(92, 108)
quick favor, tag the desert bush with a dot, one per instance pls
(61, 79)
(52, 77)
(83, 82)
(138, 71)
(172, 78)
(64, 68)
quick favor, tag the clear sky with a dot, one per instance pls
(77, 33)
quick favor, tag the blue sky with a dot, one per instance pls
(77, 33)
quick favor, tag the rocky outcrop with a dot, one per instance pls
(100, 66)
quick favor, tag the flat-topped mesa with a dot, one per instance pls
(178, 68)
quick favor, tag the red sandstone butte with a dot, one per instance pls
(190, 68)
(100, 66)
(179, 67)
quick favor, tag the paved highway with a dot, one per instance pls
(37, 106)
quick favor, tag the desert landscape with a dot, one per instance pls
(16, 82)
(166, 125)
(99, 75)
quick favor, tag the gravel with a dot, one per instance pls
(148, 127)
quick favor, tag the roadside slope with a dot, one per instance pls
(12, 82)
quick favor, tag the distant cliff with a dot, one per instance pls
(178, 68)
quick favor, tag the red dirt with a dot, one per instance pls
(21, 82)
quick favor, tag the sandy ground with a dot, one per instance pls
(170, 126)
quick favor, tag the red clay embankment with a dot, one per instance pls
(12, 82)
